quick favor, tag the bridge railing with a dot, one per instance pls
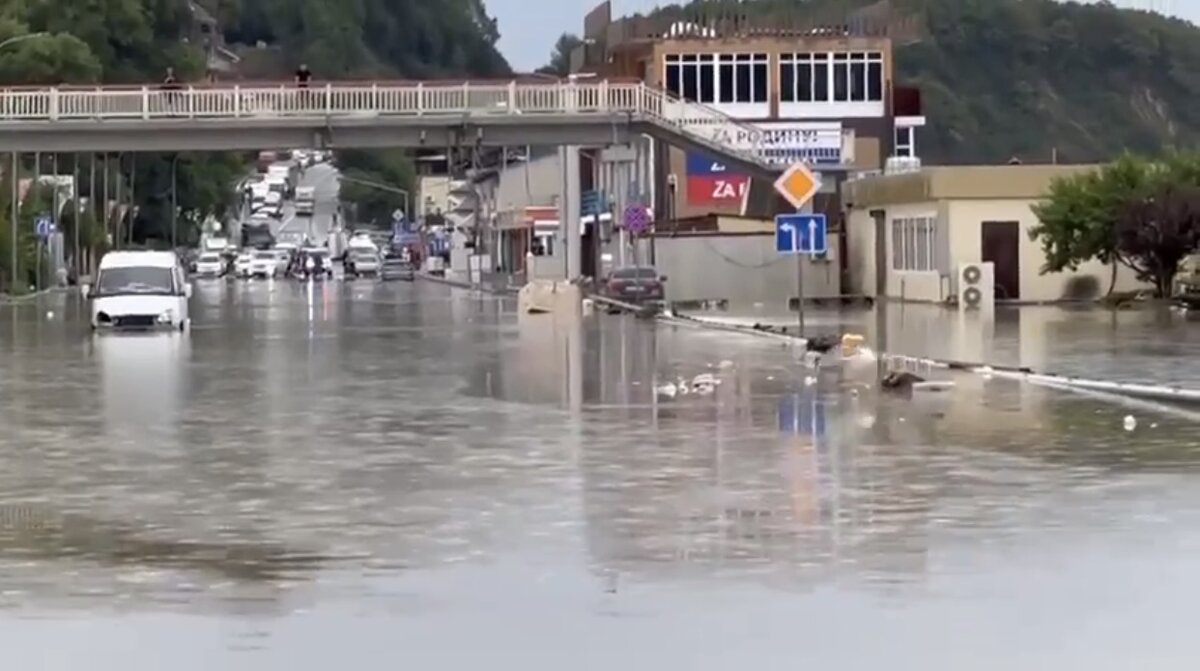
(365, 99)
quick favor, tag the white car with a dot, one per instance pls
(283, 259)
(241, 267)
(265, 264)
(364, 262)
(210, 264)
(139, 290)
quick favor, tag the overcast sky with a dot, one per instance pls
(528, 28)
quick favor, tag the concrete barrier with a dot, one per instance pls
(549, 296)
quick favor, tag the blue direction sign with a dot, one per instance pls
(802, 414)
(591, 203)
(800, 234)
(43, 226)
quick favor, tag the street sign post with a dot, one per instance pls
(801, 235)
(802, 413)
(43, 226)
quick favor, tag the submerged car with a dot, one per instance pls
(210, 264)
(265, 264)
(397, 269)
(316, 264)
(241, 265)
(139, 290)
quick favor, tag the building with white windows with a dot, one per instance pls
(808, 91)
(909, 234)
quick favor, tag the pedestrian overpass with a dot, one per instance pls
(369, 115)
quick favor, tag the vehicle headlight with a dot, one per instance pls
(308, 264)
(166, 317)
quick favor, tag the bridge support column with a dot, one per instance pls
(568, 211)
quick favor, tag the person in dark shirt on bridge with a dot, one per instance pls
(303, 76)
(171, 85)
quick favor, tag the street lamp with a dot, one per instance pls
(384, 187)
(15, 204)
(21, 38)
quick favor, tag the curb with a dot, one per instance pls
(437, 279)
(26, 298)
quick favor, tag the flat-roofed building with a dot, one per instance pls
(908, 234)
(804, 89)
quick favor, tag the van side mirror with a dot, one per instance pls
(187, 290)
(85, 290)
(662, 278)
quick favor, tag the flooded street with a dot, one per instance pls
(377, 475)
(1143, 345)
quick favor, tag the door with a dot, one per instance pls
(879, 219)
(1001, 245)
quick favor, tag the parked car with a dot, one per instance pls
(635, 284)
(396, 268)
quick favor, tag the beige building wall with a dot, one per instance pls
(966, 217)
(961, 199)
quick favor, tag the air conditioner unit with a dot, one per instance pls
(976, 286)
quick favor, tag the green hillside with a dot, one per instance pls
(1004, 78)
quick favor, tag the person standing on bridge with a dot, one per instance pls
(170, 84)
(303, 77)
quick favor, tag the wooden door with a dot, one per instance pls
(1001, 245)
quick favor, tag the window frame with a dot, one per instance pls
(832, 77)
(915, 244)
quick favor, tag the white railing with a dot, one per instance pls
(701, 123)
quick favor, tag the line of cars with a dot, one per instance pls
(285, 260)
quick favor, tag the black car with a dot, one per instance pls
(635, 284)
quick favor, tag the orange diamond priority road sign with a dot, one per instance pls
(798, 184)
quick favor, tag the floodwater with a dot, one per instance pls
(1151, 344)
(375, 476)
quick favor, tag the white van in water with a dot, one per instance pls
(139, 290)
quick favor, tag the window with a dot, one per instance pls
(858, 77)
(831, 77)
(841, 77)
(904, 142)
(914, 243)
(691, 76)
(137, 280)
(743, 78)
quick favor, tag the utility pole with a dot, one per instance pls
(132, 185)
(104, 205)
(16, 216)
(78, 213)
(174, 204)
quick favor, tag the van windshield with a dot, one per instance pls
(136, 280)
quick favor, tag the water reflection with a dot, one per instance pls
(431, 456)
(143, 377)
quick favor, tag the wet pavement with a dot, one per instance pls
(1139, 345)
(371, 476)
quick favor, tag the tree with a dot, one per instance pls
(52, 59)
(560, 57)
(1157, 232)
(372, 180)
(1135, 212)
(1077, 221)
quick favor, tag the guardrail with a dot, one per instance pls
(358, 99)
